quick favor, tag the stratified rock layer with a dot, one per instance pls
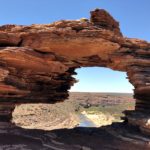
(37, 62)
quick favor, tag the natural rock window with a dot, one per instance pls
(37, 62)
(103, 95)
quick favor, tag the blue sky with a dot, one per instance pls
(133, 16)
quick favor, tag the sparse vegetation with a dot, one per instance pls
(101, 110)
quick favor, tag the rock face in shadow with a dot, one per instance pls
(115, 137)
(37, 62)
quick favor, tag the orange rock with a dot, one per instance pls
(37, 62)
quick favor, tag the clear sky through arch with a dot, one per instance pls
(133, 16)
(99, 79)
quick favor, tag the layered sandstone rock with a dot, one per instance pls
(37, 62)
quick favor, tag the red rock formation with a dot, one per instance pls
(37, 62)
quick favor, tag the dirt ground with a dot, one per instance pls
(99, 107)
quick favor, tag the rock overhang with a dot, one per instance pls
(37, 62)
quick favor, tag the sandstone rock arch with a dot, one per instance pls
(37, 62)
